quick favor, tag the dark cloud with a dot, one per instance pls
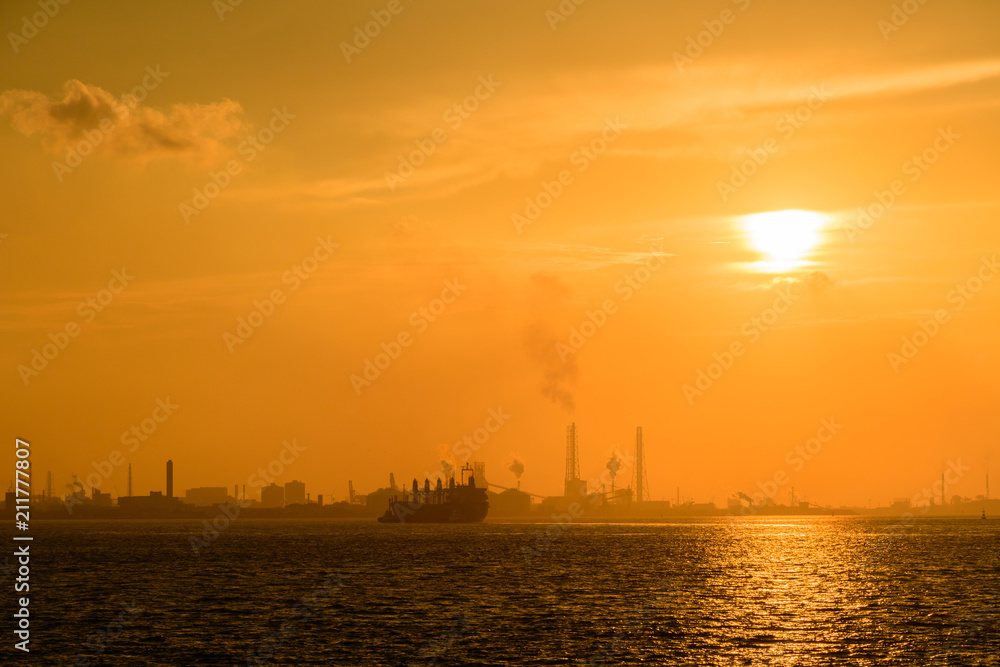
(89, 114)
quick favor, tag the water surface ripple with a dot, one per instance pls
(797, 591)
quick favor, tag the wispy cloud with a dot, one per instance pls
(706, 115)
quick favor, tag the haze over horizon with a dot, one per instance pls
(643, 215)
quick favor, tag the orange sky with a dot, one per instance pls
(614, 112)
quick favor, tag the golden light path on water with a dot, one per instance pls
(784, 238)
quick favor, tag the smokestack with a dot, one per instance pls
(572, 458)
(613, 465)
(319, 499)
(129, 480)
(236, 491)
(244, 492)
(639, 466)
(170, 479)
(517, 467)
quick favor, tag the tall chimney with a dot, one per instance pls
(170, 479)
(572, 461)
(639, 458)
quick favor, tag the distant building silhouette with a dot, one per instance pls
(510, 502)
(206, 496)
(154, 503)
(295, 492)
(272, 496)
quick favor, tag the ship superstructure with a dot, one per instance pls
(461, 502)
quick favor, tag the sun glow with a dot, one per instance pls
(785, 238)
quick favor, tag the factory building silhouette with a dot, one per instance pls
(599, 497)
(290, 499)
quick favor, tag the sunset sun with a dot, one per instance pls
(472, 329)
(785, 238)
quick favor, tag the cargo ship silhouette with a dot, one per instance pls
(457, 503)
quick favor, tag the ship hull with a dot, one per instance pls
(454, 503)
(408, 512)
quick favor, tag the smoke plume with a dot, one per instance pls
(546, 297)
(613, 466)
